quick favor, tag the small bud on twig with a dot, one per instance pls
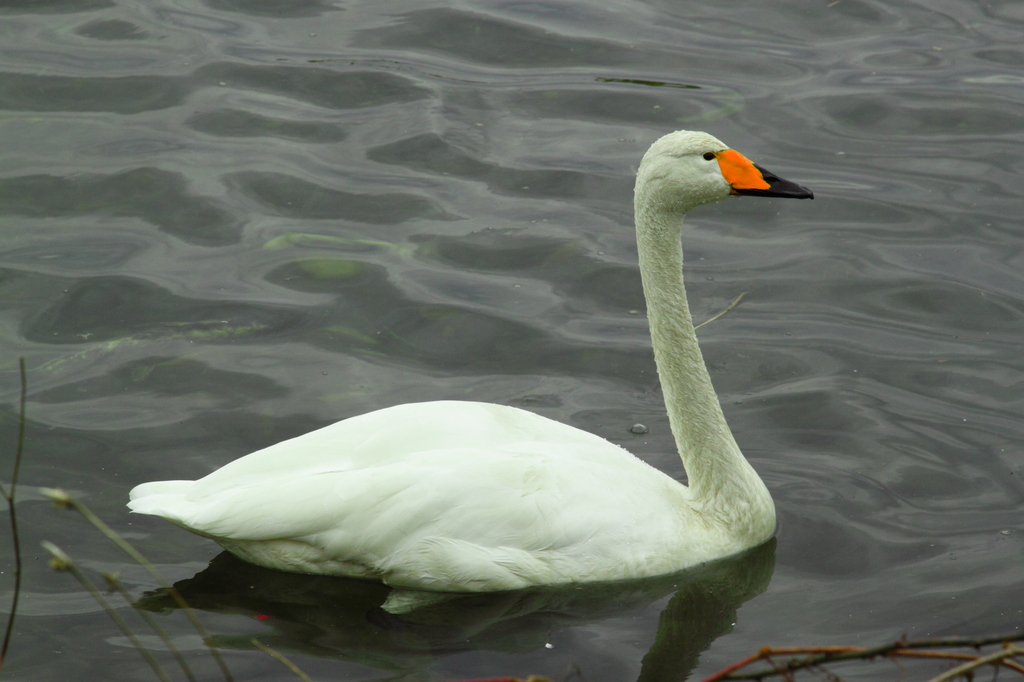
(59, 561)
(113, 581)
(59, 497)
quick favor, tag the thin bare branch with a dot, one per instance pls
(62, 562)
(731, 306)
(114, 583)
(9, 496)
(281, 657)
(62, 499)
(996, 658)
(817, 656)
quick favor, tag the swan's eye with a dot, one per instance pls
(709, 156)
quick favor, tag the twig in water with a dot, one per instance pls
(281, 657)
(62, 499)
(731, 306)
(114, 583)
(965, 669)
(819, 655)
(62, 562)
(9, 496)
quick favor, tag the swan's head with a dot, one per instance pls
(688, 168)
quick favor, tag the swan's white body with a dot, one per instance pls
(453, 496)
(462, 496)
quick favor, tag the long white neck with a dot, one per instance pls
(721, 481)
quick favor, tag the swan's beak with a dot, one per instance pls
(746, 177)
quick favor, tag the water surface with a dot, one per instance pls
(225, 223)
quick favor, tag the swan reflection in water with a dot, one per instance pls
(342, 618)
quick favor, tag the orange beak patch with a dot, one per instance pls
(739, 171)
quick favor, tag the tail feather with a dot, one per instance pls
(158, 498)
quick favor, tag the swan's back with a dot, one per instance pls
(443, 495)
(468, 496)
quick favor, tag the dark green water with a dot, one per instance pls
(226, 222)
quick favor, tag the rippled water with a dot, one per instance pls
(229, 222)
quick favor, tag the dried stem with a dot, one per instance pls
(818, 656)
(63, 499)
(995, 658)
(62, 562)
(281, 657)
(953, 656)
(9, 496)
(114, 582)
(731, 306)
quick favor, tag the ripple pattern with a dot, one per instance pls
(226, 222)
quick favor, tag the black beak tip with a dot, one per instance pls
(783, 189)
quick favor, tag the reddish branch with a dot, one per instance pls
(814, 656)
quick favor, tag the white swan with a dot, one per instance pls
(464, 496)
